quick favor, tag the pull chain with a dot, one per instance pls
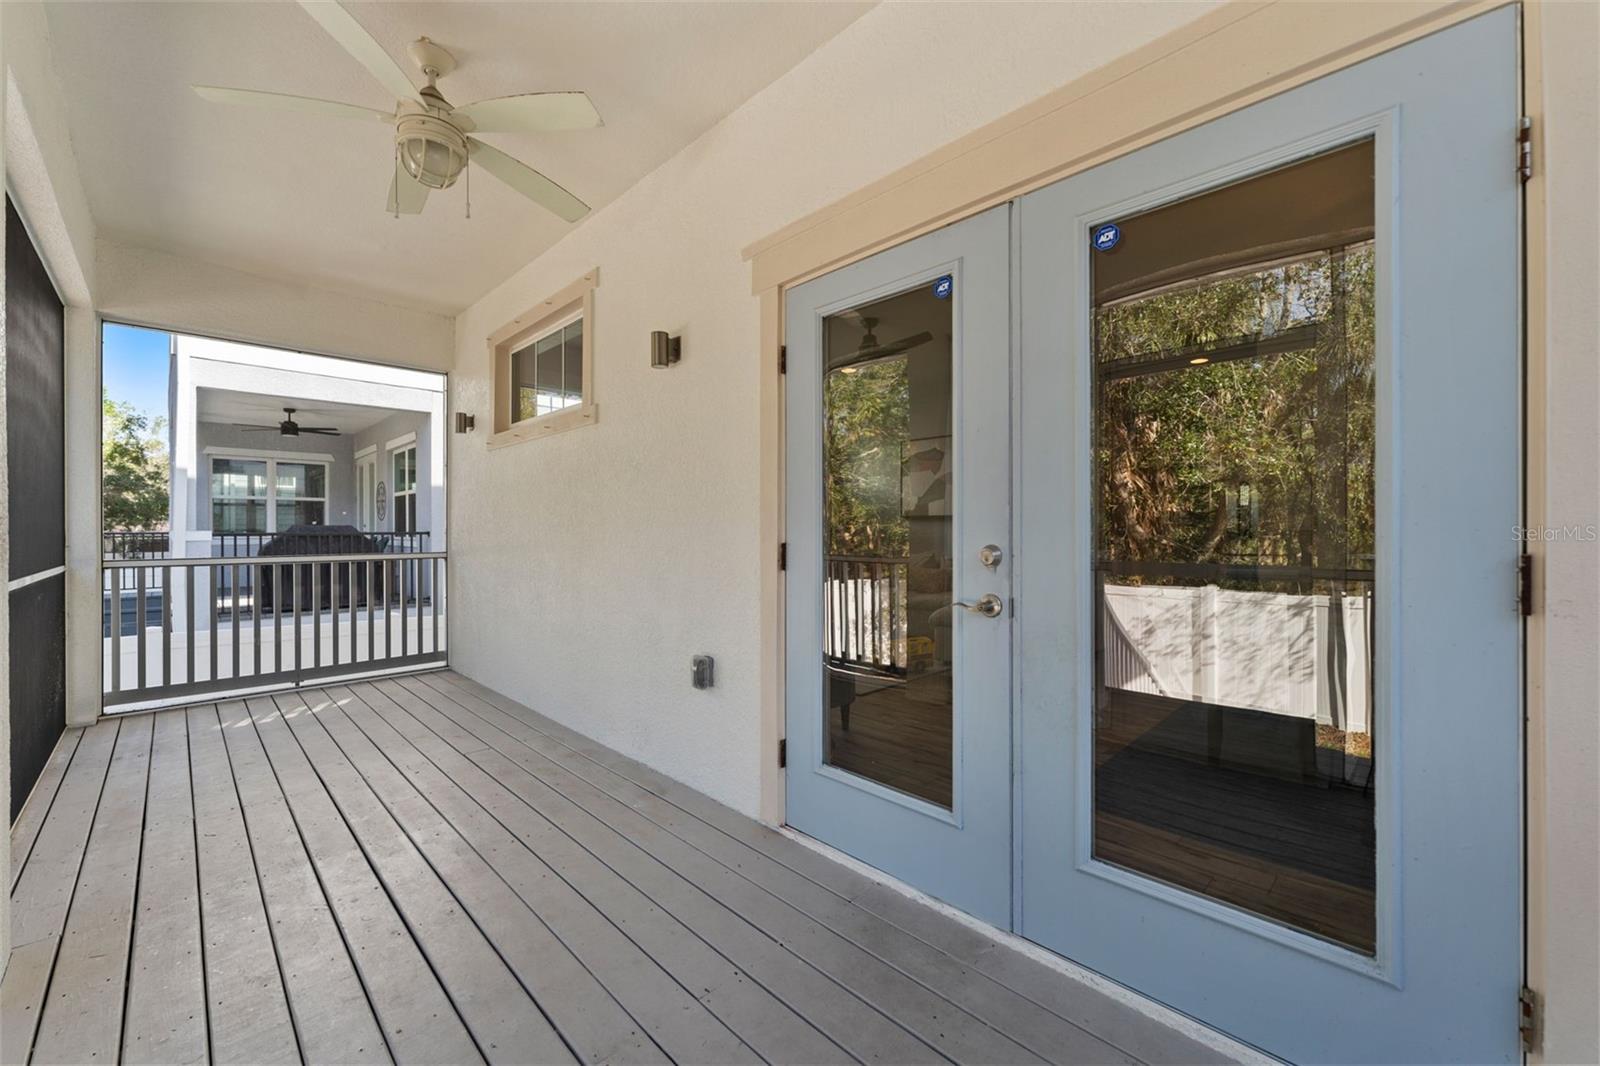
(397, 180)
(467, 166)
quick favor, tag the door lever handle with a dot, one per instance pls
(988, 605)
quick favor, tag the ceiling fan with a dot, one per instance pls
(288, 427)
(432, 142)
(871, 350)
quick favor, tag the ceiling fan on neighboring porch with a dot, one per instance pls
(288, 427)
(432, 145)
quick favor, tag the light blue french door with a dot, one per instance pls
(1269, 700)
(898, 570)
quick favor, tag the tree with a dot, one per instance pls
(134, 465)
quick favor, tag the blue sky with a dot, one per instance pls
(135, 367)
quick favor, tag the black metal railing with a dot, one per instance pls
(135, 544)
(343, 542)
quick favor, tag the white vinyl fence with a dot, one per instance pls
(1299, 656)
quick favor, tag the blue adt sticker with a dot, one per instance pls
(944, 286)
(1107, 237)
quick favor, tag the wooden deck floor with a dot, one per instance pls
(420, 870)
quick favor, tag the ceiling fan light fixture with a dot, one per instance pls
(432, 151)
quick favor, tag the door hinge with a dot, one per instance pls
(1525, 584)
(1525, 149)
(1529, 1018)
(783, 556)
(783, 358)
(783, 753)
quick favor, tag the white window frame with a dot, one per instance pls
(322, 459)
(396, 494)
(572, 304)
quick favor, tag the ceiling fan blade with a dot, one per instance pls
(412, 194)
(323, 432)
(529, 182)
(532, 113)
(878, 353)
(285, 102)
(248, 428)
(343, 27)
(904, 344)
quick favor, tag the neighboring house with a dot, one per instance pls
(234, 485)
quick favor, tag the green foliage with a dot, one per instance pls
(868, 422)
(134, 468)
(1260, 460)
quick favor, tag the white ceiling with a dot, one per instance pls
(227, 407)
(302, 197)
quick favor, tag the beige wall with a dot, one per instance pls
(1564, 425)
(157, 289)
(589, 566)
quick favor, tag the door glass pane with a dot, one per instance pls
(888, 486)
(1234, 510)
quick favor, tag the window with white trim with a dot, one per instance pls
(267, 495)
(404, 495)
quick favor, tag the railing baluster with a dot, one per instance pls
(316, 615)
(333, 608)
(294, 596)
(211, 586)
(255, 610)
(433, 599)
(350, 576)
(234, 586)
(388, 613)
(166, 625)
(116, 629)
(372, 587)
(404, 627)
(188, 599)
(138, 619)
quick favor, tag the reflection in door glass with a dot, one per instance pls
(1234, 458)
(888, 488)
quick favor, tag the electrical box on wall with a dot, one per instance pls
(702, 672)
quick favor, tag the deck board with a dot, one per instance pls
(931, 1018)
(82, 1018)
(25, 830)
(166, 976)
(419, 868)
(40, 902)
(419, 1021)
(247, 1010)
(1078, 1001)
(328, 1001)
(1044, 1034)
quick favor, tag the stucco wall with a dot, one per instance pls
(590, 566)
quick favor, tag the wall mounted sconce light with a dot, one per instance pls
(465, 422)
(664, 350)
